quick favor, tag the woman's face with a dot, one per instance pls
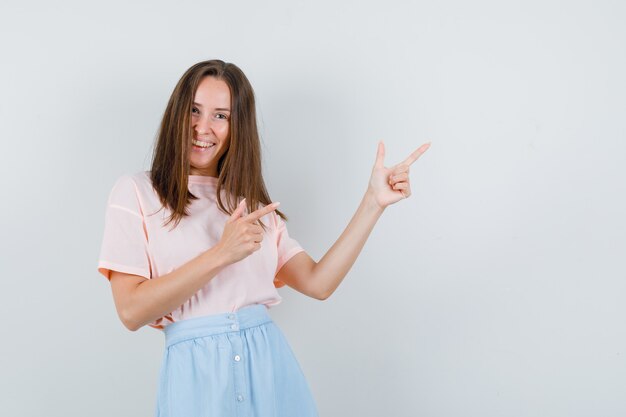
(210, 120)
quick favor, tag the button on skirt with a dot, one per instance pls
(233, 364)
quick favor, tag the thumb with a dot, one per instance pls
(380, 155)
(238, 211)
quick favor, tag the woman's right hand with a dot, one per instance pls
(241, 236)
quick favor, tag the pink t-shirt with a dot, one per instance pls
(135, 242)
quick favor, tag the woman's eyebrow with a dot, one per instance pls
(219, 108)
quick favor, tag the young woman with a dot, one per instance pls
(195, 247)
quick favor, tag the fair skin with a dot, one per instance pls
(386, 186)
(210, 119)
(140, 301)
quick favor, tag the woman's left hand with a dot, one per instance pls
(390, 185)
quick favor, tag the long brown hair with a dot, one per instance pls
(239, 169)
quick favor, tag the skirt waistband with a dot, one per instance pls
(246, 317)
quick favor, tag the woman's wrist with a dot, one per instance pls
(370, 202)
(216, 258)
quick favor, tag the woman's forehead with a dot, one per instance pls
(212, 93)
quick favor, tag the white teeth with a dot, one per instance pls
(202, 144)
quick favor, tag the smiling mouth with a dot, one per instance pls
(200, 144)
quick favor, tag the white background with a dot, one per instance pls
(497, 289)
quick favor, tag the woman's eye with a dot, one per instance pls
(194, 110)
(224, 116)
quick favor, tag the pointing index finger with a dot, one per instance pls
(416, 154)
(257, 214)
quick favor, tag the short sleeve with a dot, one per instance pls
(124, 242)
(287, 247)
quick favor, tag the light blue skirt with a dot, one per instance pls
(232, 364)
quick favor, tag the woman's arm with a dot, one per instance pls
(320, 279)
(140, 301)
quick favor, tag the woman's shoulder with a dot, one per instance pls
(140, 177)
(140, 180)
(129, 185)
(132, 178)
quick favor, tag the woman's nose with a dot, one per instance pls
(203, 125)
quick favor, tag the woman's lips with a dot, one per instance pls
(202, 148)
